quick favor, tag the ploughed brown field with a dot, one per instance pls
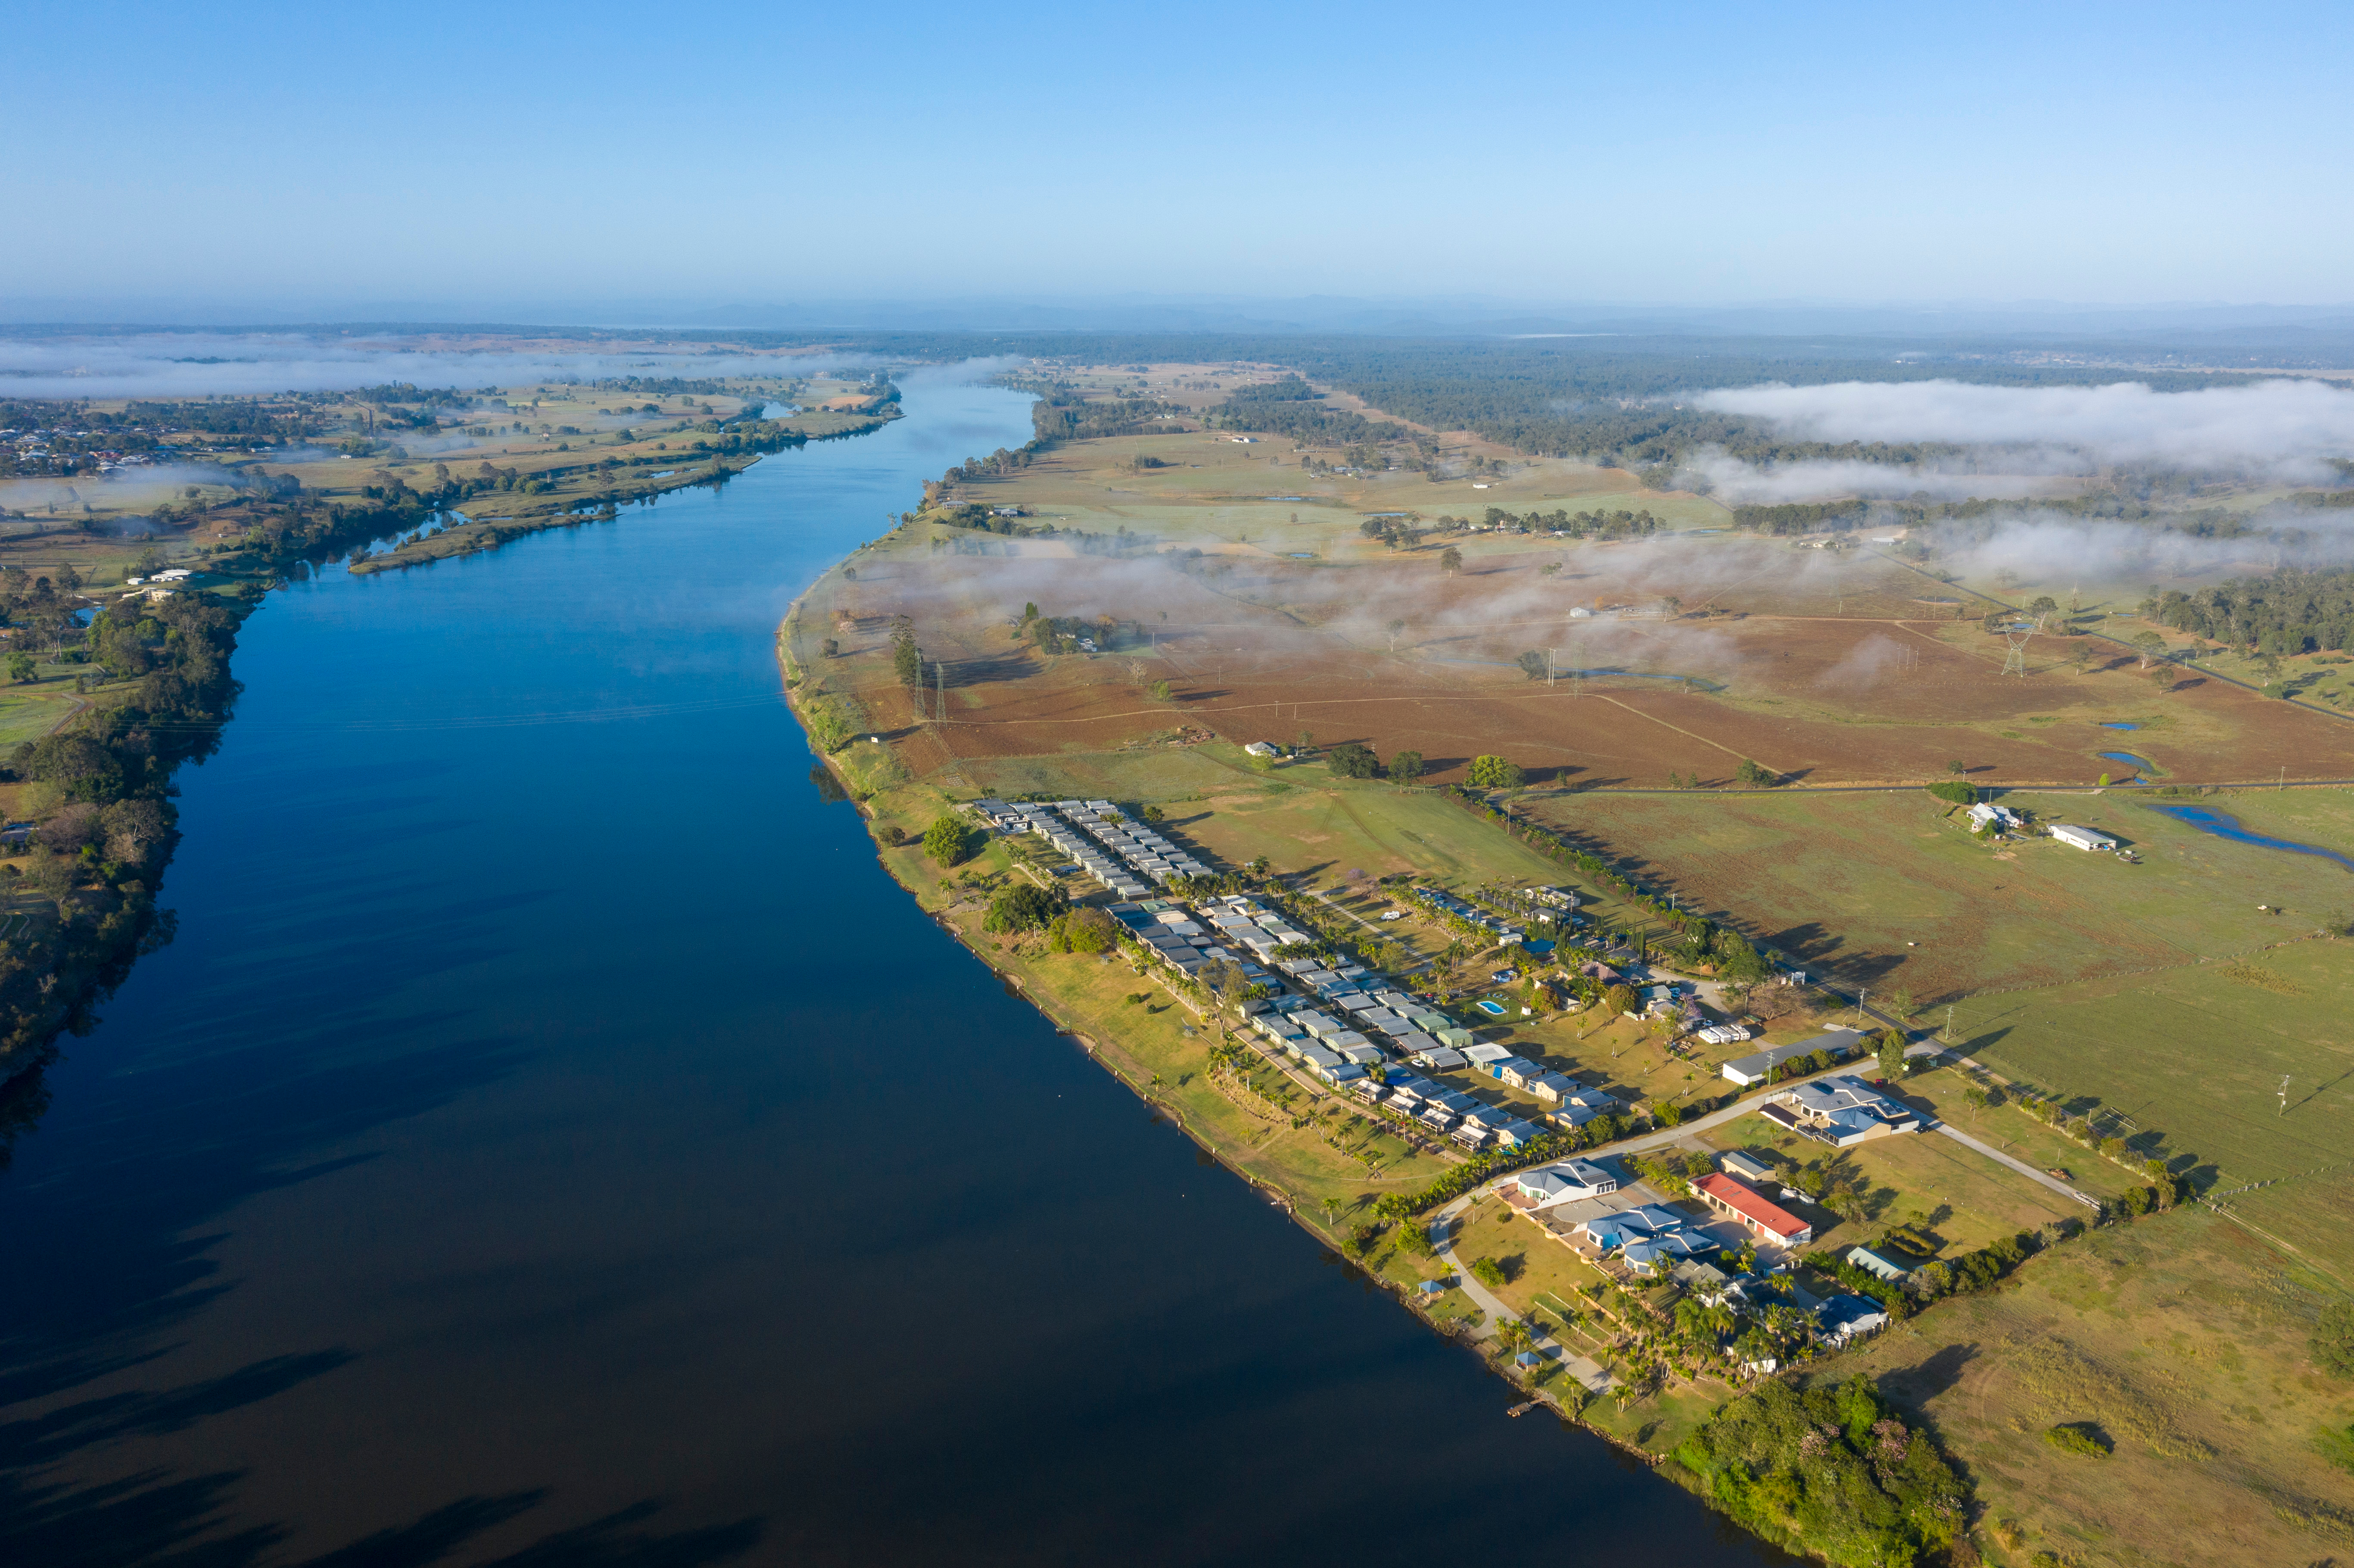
(1825, 673)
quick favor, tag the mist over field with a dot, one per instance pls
(1736, 483)
(194, 364)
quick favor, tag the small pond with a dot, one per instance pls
(2227, 827)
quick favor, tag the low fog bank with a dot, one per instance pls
(2284, 430)
(189, 365)
(2021, 476)
(2047, 546)
(146, 485)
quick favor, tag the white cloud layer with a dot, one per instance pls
(2284, 427)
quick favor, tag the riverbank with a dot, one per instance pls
(1326, 1161)
(1046, 719)
(137, 677)
(578, 1196)
(1432, 1229)
(566, 495)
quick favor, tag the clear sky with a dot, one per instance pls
(1538, 153)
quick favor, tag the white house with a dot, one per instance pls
(1552, 1086)
(1261, 748)
(1844, 1110)
(2083, 837)
(1845, 1317)
(1986, 814)
(1565, 1183)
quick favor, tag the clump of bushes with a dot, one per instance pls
(947, 839)
(2078, 1437)
(1831, 1470)
(1024, 907)
(1085, 930)
(1496, 773)
(2333, 1339)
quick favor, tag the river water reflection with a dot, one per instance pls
(552, 1134)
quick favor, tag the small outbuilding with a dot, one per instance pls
(1878, 1264)
(1748, 1167)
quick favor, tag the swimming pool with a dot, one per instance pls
(1494, 1007)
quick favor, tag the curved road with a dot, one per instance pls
(1442, 1236)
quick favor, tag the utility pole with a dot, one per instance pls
(2284, 1097)
(1948, 1038)
(940, 678)
(1549, 654)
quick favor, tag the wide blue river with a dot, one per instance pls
(552, 1140)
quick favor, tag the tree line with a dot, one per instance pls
(102, 795)
(2293, 610)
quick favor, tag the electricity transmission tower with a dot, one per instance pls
(2014, 662)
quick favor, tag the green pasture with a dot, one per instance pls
(1215, 492)
(1159, 775)
(30, 711)
(1845, 882)
(2179, 1338)
(2190, 1060)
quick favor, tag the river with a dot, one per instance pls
(552, 1138)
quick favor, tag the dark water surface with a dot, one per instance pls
(552, 1140)
(2224, 826)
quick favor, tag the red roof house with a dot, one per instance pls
(1769, 1222)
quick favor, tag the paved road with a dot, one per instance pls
(1583, 1369)
(2024, 1169)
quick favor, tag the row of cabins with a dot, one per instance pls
(1463, 909)
(1371, 1026)
(1341, 1023)
(1124, 855)
(1237, 929)
(1463, 1118)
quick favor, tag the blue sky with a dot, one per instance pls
(1543, 153)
